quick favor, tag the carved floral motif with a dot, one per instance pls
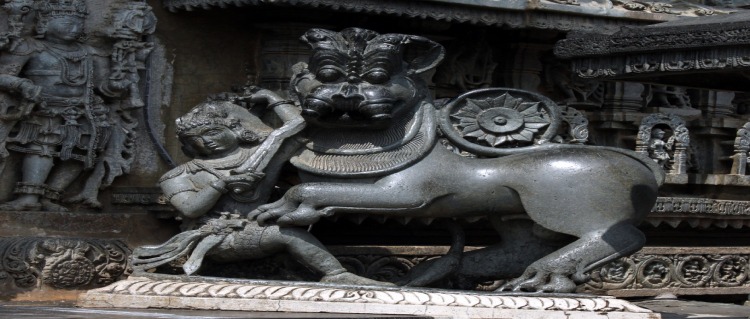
(61, 263)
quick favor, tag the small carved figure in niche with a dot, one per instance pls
(658, 149)
(224, 137)
(56, 108)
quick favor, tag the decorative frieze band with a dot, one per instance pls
(704, 206)
(645, 274)
(297, 297)
(496, 13)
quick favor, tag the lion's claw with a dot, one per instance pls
(534, 280)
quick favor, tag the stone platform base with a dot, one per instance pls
(303, 297)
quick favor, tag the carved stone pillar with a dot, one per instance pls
(623, 96)
(522, 67)
(741, 148)
(714, 103)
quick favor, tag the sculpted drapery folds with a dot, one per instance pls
(63, 109)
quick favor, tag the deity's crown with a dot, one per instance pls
(60, 8)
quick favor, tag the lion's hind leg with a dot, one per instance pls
(553, 273)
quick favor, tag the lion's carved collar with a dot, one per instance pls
(363, 153)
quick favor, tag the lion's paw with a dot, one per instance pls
(534, 280)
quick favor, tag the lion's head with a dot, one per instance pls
(359, 78)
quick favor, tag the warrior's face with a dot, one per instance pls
(64, 28)
(212, 140)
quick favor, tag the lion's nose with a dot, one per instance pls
(353, 79)
(349, 91)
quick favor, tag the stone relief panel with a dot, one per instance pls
(67, 101)
(469, 65)
(71, 263)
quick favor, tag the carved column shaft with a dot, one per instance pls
(522, 67)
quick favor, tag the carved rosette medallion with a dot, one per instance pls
(491, 121)
(693, 271)
(655, 272)
(501, 120)
(681, 273)
(731, 271)
(615, 275)
(63, 263)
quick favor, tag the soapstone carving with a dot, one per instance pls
(741, 149)
(372, 149)
(63, 263)
(672, 154)
(65, 105)
(237, 161)
(658, 149)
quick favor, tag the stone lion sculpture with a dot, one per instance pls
(372, 148)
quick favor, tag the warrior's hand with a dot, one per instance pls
(241, 183)
(259, 95)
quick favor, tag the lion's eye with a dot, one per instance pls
(328, 75)
(376, 77)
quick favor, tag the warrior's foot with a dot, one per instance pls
(21, 204)
(49, 206)
(348, 278)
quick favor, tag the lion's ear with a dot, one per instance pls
(422, 54)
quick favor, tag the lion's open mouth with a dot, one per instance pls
(347, 111)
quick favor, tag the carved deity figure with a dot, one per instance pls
(231, 173)
(658, 148)
(55, 94)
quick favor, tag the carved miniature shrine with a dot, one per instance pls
(555, 146)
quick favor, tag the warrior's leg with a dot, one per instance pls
(305, 248)
(35, 169)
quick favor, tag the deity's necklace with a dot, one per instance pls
(66, 58)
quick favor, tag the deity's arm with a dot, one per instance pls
(108, 82)
(190, 199)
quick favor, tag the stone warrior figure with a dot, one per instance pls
(62, 123)
(237, 161)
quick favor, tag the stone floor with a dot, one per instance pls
(669, 308)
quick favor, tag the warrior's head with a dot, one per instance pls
(61, 20)
(217, 128)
